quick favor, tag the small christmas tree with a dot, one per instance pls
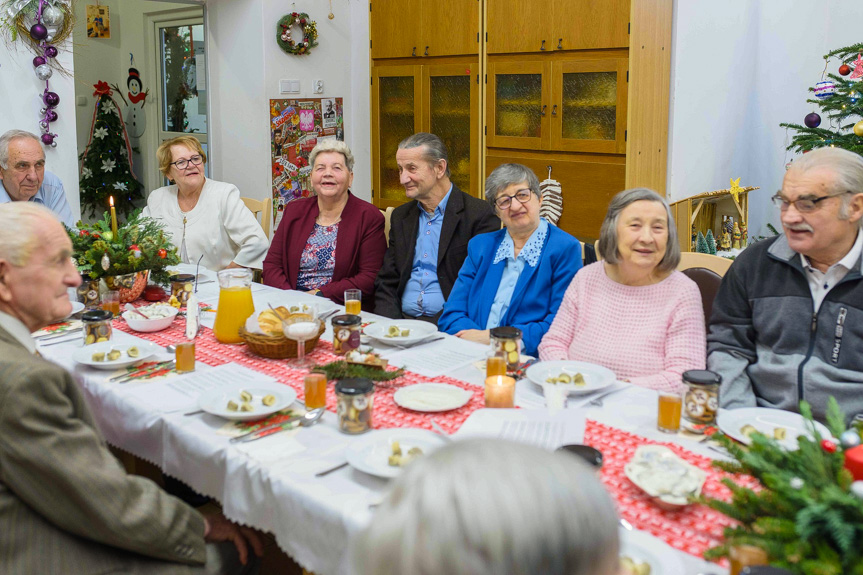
(841, 99)
(806, 515)
(106, 168)
(701, 244)
(711, 243)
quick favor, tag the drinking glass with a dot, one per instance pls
(111, 302)
(185, 356)
(315, 384)
(301, 327)
(668, 413)
(495, 365)
(353, 301)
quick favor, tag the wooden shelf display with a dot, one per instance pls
(708, 211)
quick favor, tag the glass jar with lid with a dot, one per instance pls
(701, 399)
(346, 333)
(355, 397)
(182, 286)
(97, 326)
(506, 343)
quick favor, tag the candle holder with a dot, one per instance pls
(500, 391)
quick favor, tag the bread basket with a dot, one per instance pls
(276, 346)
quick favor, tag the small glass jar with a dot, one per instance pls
(354, 404)
(182, 286)
(701, 400)
(506, 343)
(97, 326)
(346, 333)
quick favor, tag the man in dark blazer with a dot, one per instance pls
(429, 235)
(66, 504)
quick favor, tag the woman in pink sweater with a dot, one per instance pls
(632, 311)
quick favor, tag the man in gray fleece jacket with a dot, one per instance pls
(787, 323)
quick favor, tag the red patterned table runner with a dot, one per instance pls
(694, 529)
(386, 413)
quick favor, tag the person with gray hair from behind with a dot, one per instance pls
(492, 507)
(23, 177)
(633, 312)
(66, 503)
(787, 322)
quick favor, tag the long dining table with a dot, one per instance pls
(272, 485)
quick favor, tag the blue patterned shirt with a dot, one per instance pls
(319, 258)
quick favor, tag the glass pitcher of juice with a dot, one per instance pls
(235, 304)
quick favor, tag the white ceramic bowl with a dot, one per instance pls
(137, 323)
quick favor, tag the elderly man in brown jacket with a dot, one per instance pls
(66, 504)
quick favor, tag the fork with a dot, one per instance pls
(597, 401)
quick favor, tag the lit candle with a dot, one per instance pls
(499, 391)
(113, 218)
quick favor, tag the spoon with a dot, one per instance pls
(133, 309)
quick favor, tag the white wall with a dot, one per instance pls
(21, 97)
(739, 69)
(245, 67)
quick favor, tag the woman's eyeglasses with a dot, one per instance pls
(802, 205)
(184, 163)
(503, 202)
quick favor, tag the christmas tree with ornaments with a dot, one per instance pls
(106, 167)
(839, 95)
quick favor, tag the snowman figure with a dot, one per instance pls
(135, 119)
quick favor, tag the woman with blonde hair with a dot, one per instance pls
(204, 217)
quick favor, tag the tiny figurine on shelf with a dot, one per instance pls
(736, 244)
(743, 233)
(694, 238)
(728, 224)
(725, 244)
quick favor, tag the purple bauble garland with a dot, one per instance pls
(40, 33)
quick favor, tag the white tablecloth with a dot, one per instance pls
(270, 483)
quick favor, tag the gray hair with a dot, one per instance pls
(7, 138)
(504, 176)
(608, 233)
(333, 145)
(19, 224)
(492, 507)
(435, 150)
(846, 166)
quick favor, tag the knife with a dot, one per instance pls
(126, 377)
(50, 336)
(262, 432)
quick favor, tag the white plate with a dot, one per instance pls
(76, 307)
(660, 473)
(431, 397)
(596, 377)
(84, 354)
(643, 547)
(371, 453)
(766, 420)
(216, 402)
(420, 330)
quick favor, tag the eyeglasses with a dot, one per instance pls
(184, 163)
(802, 205)
(503, 202)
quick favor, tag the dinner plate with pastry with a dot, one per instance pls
(783, 426)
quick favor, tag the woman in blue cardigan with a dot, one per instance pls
(516, 276)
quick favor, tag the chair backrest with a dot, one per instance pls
(706, 271)
(265, 208)
(388, 213)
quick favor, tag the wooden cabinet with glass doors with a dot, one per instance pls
(576, 105)
(442, 99)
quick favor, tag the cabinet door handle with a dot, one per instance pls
(542, 112)
(560, 43)
(427, 51)
(414, 51)
(554, 110)
(542, 46)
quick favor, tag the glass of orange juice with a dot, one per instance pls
(315, 384)
(353, 301)
(235, 304)
(185, 356)
(111, 302)
(668, 419)
(495, 365)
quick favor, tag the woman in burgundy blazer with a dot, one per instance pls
(301, 255)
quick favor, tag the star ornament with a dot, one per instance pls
(735, 189)
(100, 133)
(108, 165)
(120, 186)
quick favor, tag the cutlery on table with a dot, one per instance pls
(50, 336)
(304, 420)
(440, 430)
(597, 401)
(331, 469)
(423, 342)
(169, 364)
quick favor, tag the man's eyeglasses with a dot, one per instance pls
(503, 202)
(184, 163)
(802, 205)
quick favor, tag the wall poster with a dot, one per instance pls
(295, 127)
(98, 21)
